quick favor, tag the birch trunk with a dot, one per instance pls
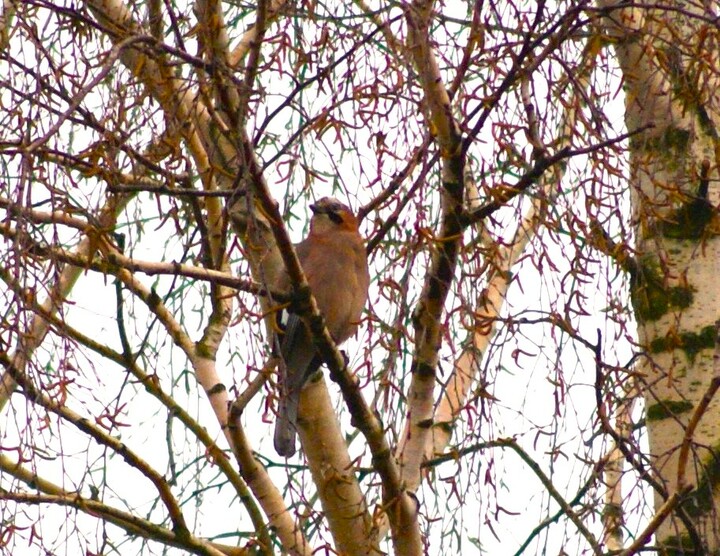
(669, 57)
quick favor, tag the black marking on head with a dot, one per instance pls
(335, 217)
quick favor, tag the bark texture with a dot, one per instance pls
(669, 59)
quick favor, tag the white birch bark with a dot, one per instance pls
(670, 58)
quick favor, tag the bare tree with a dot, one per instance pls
(543, 299)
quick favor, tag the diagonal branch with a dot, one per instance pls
(36, 395)
(152, 385)
(35, 334)
(53, 494)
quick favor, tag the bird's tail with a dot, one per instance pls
(286, 425)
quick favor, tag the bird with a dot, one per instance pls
(334, 261)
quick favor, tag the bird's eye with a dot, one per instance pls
(335, 217)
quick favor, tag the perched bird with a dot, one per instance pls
(334, 261)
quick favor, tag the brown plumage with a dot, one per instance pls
(335, 264)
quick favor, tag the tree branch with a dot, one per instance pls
(36, 395)
(132, 524)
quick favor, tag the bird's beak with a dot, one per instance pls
(316, 209)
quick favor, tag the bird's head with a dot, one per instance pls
(330, 215)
